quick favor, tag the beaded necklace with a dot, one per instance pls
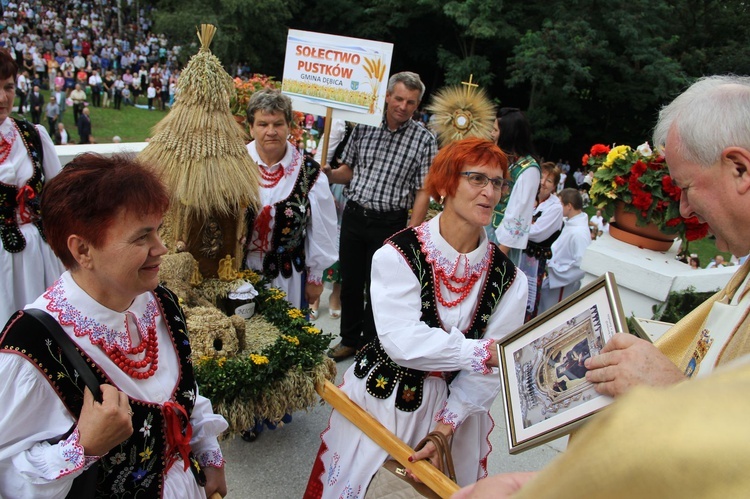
(131, 367)
(272, 178)
(464, 284)
(6, 144)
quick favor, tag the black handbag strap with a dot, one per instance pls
(69, 349)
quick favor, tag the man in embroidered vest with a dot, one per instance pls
(384, 168)
(292, 239)
(707, 148)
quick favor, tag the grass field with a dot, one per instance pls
(130, 123)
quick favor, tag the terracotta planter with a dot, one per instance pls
(626, 229)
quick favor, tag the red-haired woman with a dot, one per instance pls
(27, 160)
(152, 433)
(442, 295)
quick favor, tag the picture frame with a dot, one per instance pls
(545, 393)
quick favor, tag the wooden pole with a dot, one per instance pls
(426, 472)
(326, 136)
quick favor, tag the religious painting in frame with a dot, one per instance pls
(542, 372)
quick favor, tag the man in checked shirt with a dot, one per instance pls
(384, 167)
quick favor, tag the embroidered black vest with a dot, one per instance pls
(136, 467)
(10, 234)
(372, 361)
(289, 226)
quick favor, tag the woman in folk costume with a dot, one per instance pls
(442, 296)
(292, 239)
(152, 434)
(27, 160)
(545, 228)
(512, 218)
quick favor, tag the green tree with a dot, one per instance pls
(247, 31)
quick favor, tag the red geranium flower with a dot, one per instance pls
(598, 149)
(670, 188)
(585, 160)
(639, 168)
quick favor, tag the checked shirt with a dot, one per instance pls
(388, 166)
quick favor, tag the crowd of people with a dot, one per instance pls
(78, 53)
(423, 303)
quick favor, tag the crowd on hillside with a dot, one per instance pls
(79, 46)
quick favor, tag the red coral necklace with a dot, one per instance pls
(6, 144)
(468, 282)
(271, 177)
(132, 367)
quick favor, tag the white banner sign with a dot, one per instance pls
(349, 75)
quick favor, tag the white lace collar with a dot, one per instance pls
(106, 328)
(292, 158)
(443, 256)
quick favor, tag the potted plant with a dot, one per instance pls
(635, 184)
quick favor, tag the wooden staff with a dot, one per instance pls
(326, 136)
(426, 472)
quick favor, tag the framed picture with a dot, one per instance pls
(542, 370)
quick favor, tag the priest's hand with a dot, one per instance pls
(626, 362)
(104, 425)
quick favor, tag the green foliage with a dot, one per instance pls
(300, 347)
(680, 303)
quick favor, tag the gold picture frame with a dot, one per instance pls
(542, 375)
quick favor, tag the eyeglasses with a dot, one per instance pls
(480, 180)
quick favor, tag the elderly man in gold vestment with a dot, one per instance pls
(662, 440)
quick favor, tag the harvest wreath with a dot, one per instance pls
(262, 367)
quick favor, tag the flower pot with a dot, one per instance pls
(626, 229)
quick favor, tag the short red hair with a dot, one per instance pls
(87, 195)
(446, 168)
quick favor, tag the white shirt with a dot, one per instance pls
(513, 231)
(567, 252)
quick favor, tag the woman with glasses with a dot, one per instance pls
(442, 296)
(512, 218)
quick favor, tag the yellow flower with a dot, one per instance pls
(381, 382)
(616, 153)
(276, 294)
(311, 330)
(611, 195)
(258, 359)
(291, 339)
(295, 313)
(614, 185)
(146, 454)
(250, 276)
(222, 361)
